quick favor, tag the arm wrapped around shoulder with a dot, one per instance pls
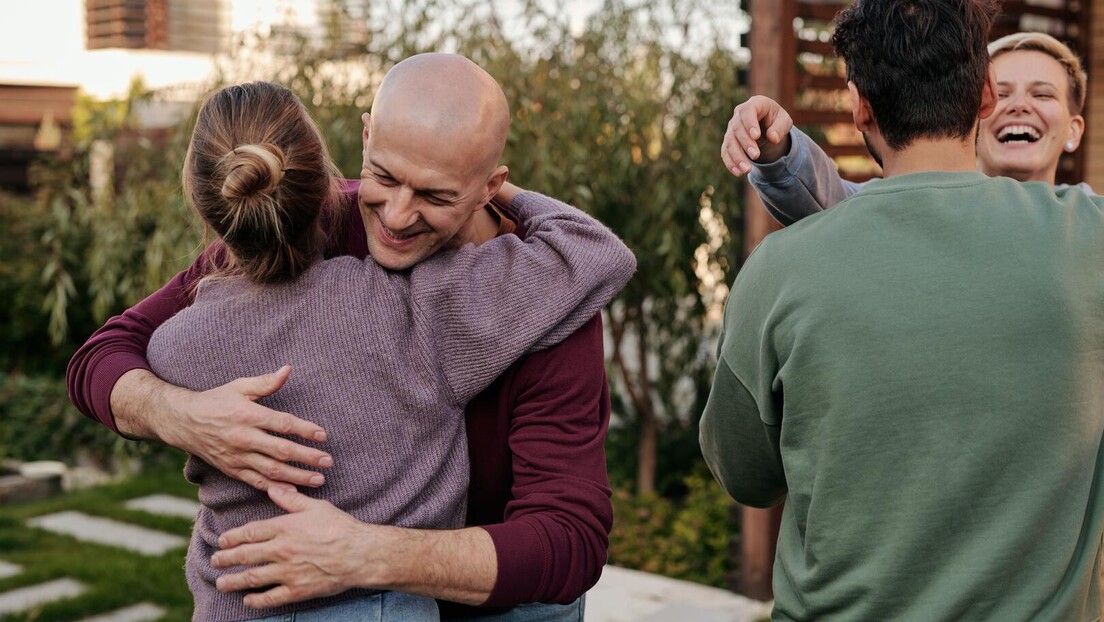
(487, 305)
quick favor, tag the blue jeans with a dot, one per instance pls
(385, 607)
(538, 612)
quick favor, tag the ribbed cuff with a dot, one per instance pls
(106, 373)
(783, 168)
(522, 559)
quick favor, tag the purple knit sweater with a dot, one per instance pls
(385, 361)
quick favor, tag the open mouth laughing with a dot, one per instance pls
(1018, 134)
(399, 238)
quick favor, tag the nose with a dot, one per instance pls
(397, 212)
(1018, 102)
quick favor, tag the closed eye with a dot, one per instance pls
(386, 180)
(436, 200)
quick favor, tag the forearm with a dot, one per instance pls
(465, 297)
(802, 182)
(741, 450)
(457, 565)
(140, 401)
(505, 195)
(553, 535)
(119, 347)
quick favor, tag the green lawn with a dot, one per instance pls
(114, 577)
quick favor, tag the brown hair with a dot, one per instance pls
(1042, 42)
(258, 173)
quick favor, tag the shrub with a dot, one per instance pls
(689, 538)
(37, 422)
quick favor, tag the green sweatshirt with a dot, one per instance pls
(919, 374)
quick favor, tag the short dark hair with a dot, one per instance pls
(922, 64)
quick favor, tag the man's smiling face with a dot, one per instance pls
(416, 195)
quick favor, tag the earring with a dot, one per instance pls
(1070, 146)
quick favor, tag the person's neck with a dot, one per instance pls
(1050, 175)
(481, 227)
(931, 156)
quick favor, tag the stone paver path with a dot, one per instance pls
(623, 595)
(32, 596)
(9, 570)
(142, 612)
(110, 532)
(166, 505)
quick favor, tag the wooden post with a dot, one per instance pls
(773, 73)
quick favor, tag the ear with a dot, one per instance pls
(1077, 130)
(367, 120)
(988, 94)
(494, 183)
(860, 109)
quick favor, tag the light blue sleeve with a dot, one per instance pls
(800, 183)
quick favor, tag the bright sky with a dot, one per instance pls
(43, 43)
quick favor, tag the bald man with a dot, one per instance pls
(539, 510)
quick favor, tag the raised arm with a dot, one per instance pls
(487, 305)
(110, 381)
(790, 172)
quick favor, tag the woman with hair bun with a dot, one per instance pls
(367, 345)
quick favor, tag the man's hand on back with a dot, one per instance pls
(224, 426)
(316, 550)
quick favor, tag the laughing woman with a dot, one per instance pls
(1041, 88)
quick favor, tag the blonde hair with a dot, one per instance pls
(1042, 42)
(258, 173)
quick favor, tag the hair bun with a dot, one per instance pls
(252, 170)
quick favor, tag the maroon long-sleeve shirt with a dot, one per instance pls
(536, 436)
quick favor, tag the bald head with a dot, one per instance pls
(447, 101)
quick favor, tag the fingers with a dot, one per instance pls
(757, 132)
(738, 148)
(262, 472)
(779, 127)
(290, 425)
(249, 476)
(261, 386)
(249, 533)
(251, 579)
(279, 595)
(289, 499)
(243, 555)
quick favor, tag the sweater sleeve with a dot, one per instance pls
(741, 450)
(553, 541)
(544, 288)
(800, 183)
(120, 344)
(740, 428)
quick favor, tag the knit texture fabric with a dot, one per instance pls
(385, 362)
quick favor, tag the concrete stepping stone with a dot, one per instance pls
(142, 612)
(690, 612)
(9, 570)
(165, 505)
(106, 531)
(624, 595)
(33, 596)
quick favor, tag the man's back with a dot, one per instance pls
(928, 360)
